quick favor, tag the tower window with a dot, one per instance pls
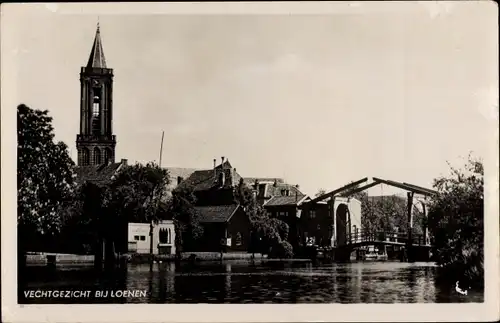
(95, 107)
(108, 155)
(83, 157)
(97, 156)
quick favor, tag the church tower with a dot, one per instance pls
(95, 142)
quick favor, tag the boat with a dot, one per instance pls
(373, 254)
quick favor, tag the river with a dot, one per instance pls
(245, 282)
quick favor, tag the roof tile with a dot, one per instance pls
(213, 214)
(100, 175)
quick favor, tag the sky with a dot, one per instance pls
(320, 98)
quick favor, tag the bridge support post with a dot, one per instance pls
(334, 217)
(409, 243)
(425, 228)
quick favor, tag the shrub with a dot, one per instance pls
(281, 250)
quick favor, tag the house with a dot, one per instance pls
(99, 175)
(139, 240)
(266, 188)
(228, 223)
(323, 226)
(220, 214)
(284, 205)
(315, 224)
(214, 186)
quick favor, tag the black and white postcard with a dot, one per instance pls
(250, 161)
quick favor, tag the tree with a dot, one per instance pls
(321, 191)
(45, 176)
(135, 195)
(269, 235)
(186, 220)
(456, 219)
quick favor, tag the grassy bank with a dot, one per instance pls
(42, 258)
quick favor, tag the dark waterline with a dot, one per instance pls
(244, 282)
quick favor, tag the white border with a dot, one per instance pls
(489, 310)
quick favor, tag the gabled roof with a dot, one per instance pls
(99, 175)
(96, 59)
(285, 200)
(216, 214)
(202, 180)
(276, 190)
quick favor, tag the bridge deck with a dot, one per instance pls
(360, 238)
(381, 242)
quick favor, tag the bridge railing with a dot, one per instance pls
(360, 236)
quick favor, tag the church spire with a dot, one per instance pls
(96, 59)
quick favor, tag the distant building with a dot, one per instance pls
(163, 238)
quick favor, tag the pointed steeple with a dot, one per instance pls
(96, 59)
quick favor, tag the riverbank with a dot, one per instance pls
(46, 258)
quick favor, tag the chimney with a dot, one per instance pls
(297, 186)
(124, 162)
(275, 182)
(215, 162)
(222, 158)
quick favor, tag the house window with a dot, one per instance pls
(312, 214)
(281, 213)
(136, 238)
(164, 236)
(238, 239)
(269, 214)
(143, 238)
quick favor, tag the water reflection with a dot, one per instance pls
(242, 282)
